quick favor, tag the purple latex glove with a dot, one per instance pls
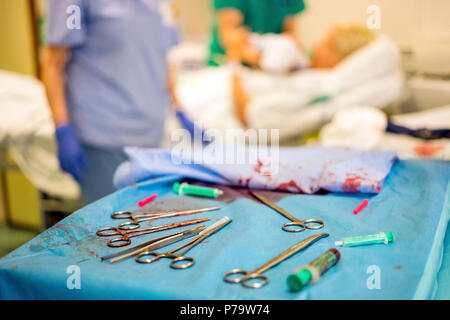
(70, 155)
(190, 126)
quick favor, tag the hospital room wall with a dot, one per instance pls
(19, 199)
(420, 27)
(2, 206)
(16, 36)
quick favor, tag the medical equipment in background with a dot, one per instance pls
(365, 240)
(301, 224)
(153, 244)
(247, 276)
(124, 236)
(313, 271)
(422, 133)
(176, 258)
(136, 219)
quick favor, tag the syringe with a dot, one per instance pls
(313, 271)
(365, 240)
(188, 189)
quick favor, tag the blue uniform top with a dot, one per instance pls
(116, 75)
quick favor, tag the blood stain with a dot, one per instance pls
(260, 170)
(352, 184)
(427, 149)
(289, 186)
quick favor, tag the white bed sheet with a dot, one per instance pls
(27, 129)
(372, 76)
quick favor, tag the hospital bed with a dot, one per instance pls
(27, 134)
(370, 78)
(302, 101)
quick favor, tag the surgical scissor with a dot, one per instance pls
(153, 244)
(188, 245)
(125, 236)
(258, 273)
(135, 219)
(301, 224)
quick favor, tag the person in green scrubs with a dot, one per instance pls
(234, 19)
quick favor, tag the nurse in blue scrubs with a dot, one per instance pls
(106, 77)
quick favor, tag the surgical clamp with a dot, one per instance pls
(258, 273)
(135, 219)
(301, 224)
(188, 245)
(124, 236)
(153, 244)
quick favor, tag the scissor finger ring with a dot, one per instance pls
(300, 227)
(175, 265)
(319, 223)
(121, 215)
(119, 242)
(254, 284)
(227, 275)
(131, 225)
(140, 256)
(102, 233)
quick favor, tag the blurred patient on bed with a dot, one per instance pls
(280, 55)
(350, 66)
(272, 47)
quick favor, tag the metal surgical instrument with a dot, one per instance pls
(188, 245)
(124, 236)
(301, 224)
(258, 273)
(153, 244)
(135, 219)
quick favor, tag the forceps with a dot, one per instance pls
(124, 236)
(188, 245)
(153, 244)
(135, 219)
(301, 224)
(258, 273)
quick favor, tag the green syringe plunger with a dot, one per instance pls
(185, 188)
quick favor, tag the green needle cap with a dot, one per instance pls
(297, 281)
(176, 187)
(390, 237)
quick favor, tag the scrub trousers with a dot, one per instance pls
(97, 179)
